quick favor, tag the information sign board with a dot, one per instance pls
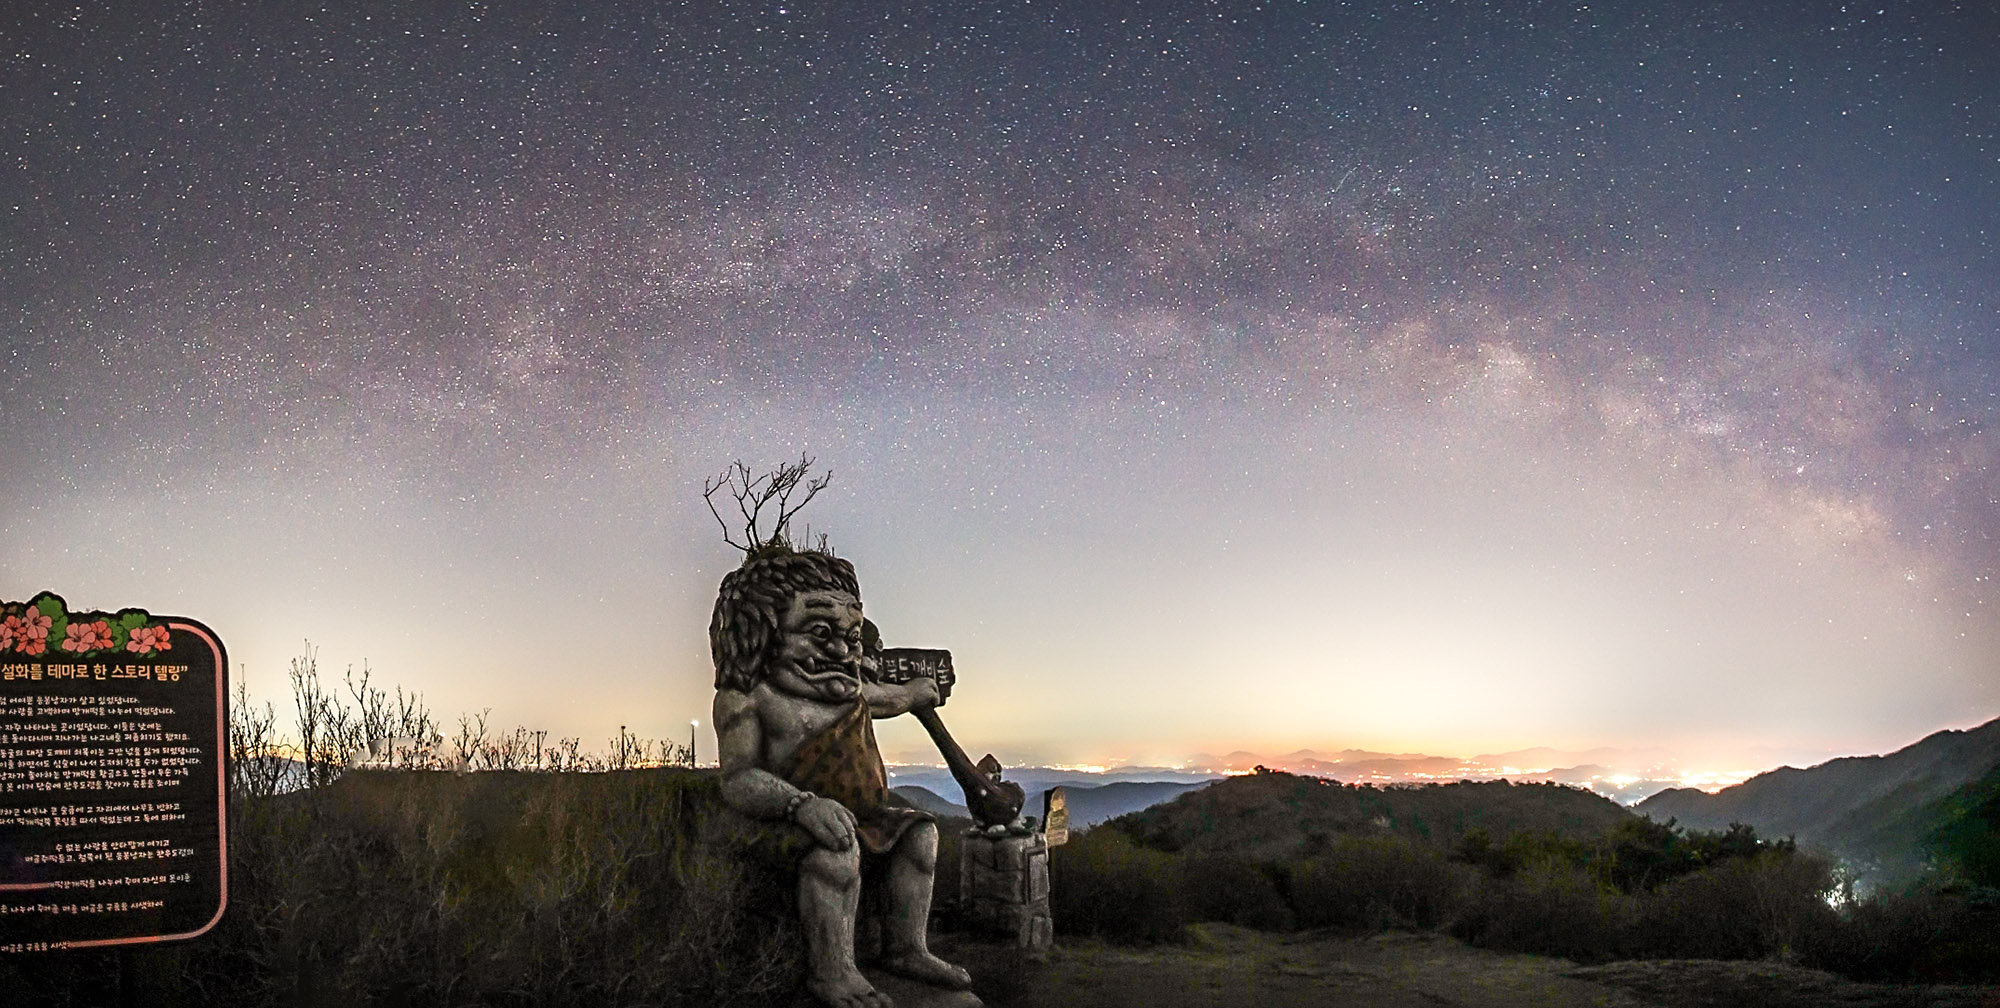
(1055, 818)
(113, 785)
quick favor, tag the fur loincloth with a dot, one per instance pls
(843, 763)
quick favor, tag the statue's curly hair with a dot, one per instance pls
(750, 606)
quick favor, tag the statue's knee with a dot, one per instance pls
(920, 845)
(840, 868)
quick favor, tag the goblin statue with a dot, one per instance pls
(793, 702)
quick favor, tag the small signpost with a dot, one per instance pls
(113, 788)
(1055, 816)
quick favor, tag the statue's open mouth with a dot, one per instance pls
(826, 671)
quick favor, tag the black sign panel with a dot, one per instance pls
(902, 664)
(112, 780)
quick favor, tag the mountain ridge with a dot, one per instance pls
(1872, 811)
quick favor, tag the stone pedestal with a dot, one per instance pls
(911, 994)
(1004, 883)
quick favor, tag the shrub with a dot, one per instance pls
(1371, 882)
(1741, 908)
(1549, 906)
(1103, 884)
(1936, 931)
(1234, 891)
(495, 889)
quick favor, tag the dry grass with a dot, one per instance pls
(1233, 966)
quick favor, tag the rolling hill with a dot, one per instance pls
(1276, 814)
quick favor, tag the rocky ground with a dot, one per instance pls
(1234, 967)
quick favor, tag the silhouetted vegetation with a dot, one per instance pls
(1361, 859)
(524, 886)
(1103, 883)
(555, 876)
(423, 887)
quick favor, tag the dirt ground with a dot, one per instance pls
(1236, 967)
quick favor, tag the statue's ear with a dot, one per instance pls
(871, 636)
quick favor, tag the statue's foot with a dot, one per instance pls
(850, 991)
(927, 968)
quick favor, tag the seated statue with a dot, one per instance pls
(793, 703)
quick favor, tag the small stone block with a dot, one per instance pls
(1039, 937)
(1038, 878)
(987, 883)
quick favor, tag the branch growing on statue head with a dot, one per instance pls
(755, 493)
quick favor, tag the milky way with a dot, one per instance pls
(1436, 375)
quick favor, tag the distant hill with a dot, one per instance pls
(930, 801)
(1277, 815)
(1089, 806)
(1872, 811)
(1034, 780)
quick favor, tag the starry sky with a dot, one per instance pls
(1413, 376)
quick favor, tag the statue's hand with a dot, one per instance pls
(924, 693)
(829, 822)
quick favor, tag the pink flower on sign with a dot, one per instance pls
(87, 637)
(146, 640)
(10, 631)
(31, 632)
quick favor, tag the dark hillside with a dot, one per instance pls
(1280, 815)
(1872, 810)
(1966, 838)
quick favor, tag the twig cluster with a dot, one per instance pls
(753, 493)
(397, 732)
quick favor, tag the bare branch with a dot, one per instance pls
(708, 489)
(754, 494)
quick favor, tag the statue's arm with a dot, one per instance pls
(746, 785)
(760, 794)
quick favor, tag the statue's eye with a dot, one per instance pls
(821, 631)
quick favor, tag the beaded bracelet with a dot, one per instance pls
(792, 807)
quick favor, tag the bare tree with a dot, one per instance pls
(327, 729)
(256, 767)
(469, 747)
(754, 493)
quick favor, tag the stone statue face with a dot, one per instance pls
(818, 651)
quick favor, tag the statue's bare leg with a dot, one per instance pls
(906, 952)
(829, 895)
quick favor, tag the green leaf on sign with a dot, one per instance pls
(122, 626)
(52, 607)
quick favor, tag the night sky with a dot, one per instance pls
(1438, 377)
